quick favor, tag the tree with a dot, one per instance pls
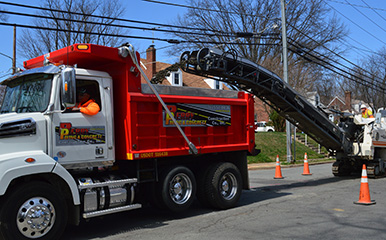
(368, 81)
(305, 19)
(277, 121)
(329, 87)
(38, 41)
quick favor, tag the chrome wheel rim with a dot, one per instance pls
(35, 217)
(180, 188)
(228, 186)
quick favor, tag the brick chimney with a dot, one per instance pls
(150, 62)
(347, 100)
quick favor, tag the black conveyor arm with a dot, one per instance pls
(270, 88)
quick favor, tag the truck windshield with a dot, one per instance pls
(29, 93)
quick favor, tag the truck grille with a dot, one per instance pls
(18, 128)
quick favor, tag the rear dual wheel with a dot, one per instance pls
(221, 186)
(177, 189)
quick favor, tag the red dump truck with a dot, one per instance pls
(148, 143)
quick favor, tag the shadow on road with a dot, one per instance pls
(150, 218)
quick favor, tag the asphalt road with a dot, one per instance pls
(296, 207)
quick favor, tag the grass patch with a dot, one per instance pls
(275, 143)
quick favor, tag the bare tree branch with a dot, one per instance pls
(37, 42)
(308, 18)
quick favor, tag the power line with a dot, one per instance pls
(326, 57)
(175, 41)
(374, 10)
(238, 34)
(206, 9)
(366, 16)
(365, 82)
(359, 43)
(356, 24)
(329, 50)
(353, 77)
(357, 5)
(109, 18)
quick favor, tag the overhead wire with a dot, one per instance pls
(328, 58)
(366, 16)
(105, 17)
(237, 34)
(356, 24)
(357, 5)
(363, 82)
(174, 41)
(206, 9)
(126, 20)
(328, 65)
(374, 10)
(329, 50)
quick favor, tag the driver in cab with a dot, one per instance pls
(86, 104)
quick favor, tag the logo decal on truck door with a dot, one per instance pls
(66, 134)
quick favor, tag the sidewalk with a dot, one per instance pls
(270, 165)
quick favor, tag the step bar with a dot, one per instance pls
(108, 183)
(111, 210)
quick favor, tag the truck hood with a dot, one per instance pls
(22, 132)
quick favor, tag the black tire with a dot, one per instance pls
(223, 185)
(201, 192)
(31, 206)
(177, 188)
(344, 169)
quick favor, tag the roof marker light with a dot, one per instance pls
(82, 47)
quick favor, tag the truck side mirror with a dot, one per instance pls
(68, 93)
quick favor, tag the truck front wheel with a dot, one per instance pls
(178, 188)
(33, 211)
(223, 185)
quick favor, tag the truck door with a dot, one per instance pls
(79, 138)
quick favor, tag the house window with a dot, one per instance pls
(317, 101)
(217, 83)
(214, 84)
(176, 79)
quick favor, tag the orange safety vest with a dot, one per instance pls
(367, 114)
(90, 107)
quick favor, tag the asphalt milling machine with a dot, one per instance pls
(354, 141)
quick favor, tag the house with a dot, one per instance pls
(347, 105)
(313, 98)
(176, 78)
(180, 78)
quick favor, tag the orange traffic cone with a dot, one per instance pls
(364, 192)
(278, 169)
(306, 168)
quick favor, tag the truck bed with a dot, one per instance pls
(213, 120)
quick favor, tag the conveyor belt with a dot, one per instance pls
(270, 88)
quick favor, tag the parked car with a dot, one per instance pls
(262, 127)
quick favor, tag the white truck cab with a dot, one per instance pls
(37, 132)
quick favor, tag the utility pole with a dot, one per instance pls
(14, 51)
(285, 74)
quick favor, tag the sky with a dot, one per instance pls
(367, 33)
